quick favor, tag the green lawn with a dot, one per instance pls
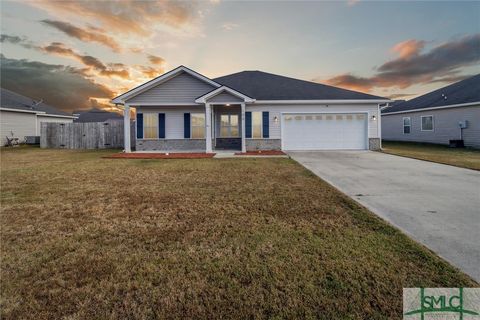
(89, 238)
(464, 158)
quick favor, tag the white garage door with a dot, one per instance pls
(320, 131)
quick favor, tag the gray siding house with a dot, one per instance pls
(183, 110)
(21, 116)
(449, 113)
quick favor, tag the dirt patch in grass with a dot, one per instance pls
(90, 238)
(464, 158)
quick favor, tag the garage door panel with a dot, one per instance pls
(324, 131)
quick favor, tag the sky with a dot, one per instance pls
(79, 54)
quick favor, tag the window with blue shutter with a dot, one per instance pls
(139, 125)
(266, 124)
(161, 125)
(186, 125)
(248, 124)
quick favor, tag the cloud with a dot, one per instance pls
(401, 96)
(414, 67)
(230, 26)
(155, 59)
(92, 35)
(127, 17)
(58, 85)
(150, 72)
(4, 38)
(409, 48)
(117, 70)
(351, 3)
(11, 39)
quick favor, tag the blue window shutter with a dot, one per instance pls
(248, 124)
(139, 125)
(161, 125)
(266, 124)
(186, 125)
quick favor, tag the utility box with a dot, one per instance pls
(456, 144)
(463, 124)
(32, 139)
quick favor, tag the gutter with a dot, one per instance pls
(24, 111)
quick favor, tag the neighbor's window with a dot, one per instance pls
(229, 126)
(198, 125)
(150, 125)
(427, 123)
(406, 125)
(256, 124)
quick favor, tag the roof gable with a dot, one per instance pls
(465, 91)
(267, 86)
(224, 94)
(164, 78)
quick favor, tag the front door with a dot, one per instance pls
(229, 132)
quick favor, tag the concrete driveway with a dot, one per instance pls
(437, 205)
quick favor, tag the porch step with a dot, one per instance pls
(225, 155)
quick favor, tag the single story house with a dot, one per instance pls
(96, 115)
(449, 113)
(183, 110)
(21, 116)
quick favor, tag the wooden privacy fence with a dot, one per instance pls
(90, 135)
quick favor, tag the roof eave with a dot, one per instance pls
(459, 105)
(329, 101)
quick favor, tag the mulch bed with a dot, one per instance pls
(160, 156)
(261, 153)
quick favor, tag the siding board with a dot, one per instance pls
(183, 88)
(224, 97)
(445, 126)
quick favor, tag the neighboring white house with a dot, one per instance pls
(21, 116)
(183, 110)
(449, 113)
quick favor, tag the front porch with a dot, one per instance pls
(217, 121)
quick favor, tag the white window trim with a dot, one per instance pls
(230, 126)
(403, 125)
(204, 128)
(261, 126)
(143, 127)
(421, 123)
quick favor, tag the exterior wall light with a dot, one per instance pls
(275, 119)
(374, 117)
(228, 104)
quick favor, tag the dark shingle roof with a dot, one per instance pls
(96, 115)
(464, 91)
(266, 86)
(13, 100)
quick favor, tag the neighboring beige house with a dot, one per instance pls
(183, 110)
(21, 116)
(449, 113)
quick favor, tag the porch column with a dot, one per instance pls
(244, 148)
(126, 128)
(208, 128)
